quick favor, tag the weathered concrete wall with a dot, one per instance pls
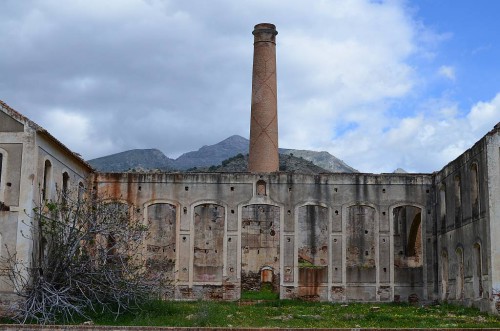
(337, 237)
(325, 237)
(24, 147)
(11, 173)
(467, 195)
(9, 124)
(491, 202)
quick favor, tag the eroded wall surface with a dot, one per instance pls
(26, 150)
(467, 198)
(324, 237)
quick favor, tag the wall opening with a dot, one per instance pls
(261, 188)
(260, 246)
(458, 202)
(415, 239)
(81, 191)
(477, 279)
(460, 278)
(120, 212)
(444, 275)
(3, 164)
(474, 190)
(1, 168)
(47, 178)
(65, 187)
(408, 236)
(266, 275)
(442, 206)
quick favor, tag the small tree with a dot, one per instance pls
(86, 257)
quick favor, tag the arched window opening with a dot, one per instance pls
(261, 188)
(442, 206)
(1, 168)
(407, 225)
(458, 202)
(260, 249)
(47, 177)
(266, 275)
(444, 275)
(415, 238)
(81, 191)
(474, 190)
(65, 187)
(477, 280)
(109, 243)
(460, 274)
(3, 173)
(111, 248)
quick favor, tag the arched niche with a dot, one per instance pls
(360, 244)
(458, 200)
(260, 245)
(460, 276)
(209, 226)
(444, 275)
(47, 180)
(477, 274)
(442, 206)
(474, 190)
(161, 241)
(313, 245)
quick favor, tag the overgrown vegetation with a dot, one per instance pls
(299, 314)
(266, 293)
(86, 260)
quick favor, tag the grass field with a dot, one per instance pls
(298, 314)
(302, 314)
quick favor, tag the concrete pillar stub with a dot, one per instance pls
(263, 151)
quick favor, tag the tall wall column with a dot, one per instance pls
(264, 155)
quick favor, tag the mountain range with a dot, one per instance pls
(211, 157)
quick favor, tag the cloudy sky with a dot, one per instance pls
(379, 84)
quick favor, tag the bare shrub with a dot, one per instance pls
(86, 257)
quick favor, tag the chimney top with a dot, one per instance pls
(265, 32)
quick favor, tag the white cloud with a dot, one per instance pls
(422, 143)
(484, 113)
(447, 72)
(75, 131)
(176, 75)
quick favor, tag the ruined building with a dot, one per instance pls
(331, 237)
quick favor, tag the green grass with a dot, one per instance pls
(265, 293)
(301, 314)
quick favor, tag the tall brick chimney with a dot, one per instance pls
(264, 155)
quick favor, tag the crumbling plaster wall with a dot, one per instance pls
(23, 149)
(17, 146)
(338, 203)
(491, 203)
(467, 197)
